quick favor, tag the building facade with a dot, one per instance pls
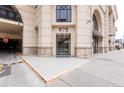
(59, 30)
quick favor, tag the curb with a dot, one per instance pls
(42, 76)
(34, 70)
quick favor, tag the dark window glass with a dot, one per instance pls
(63, 13)
(95, 24)
(7, 12)
(36, 7)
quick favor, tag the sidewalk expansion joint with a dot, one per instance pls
(65, 82)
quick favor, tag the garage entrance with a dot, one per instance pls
(11, 27)
(13, 45)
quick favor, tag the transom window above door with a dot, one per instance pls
(63, 13)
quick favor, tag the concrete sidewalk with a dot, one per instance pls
(103, 70)
(116, 55)
(51, 68)
(21, 76)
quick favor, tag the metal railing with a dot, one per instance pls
(9, 14)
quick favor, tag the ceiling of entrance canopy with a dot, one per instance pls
(10, 28)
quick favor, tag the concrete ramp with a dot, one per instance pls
(51, 68)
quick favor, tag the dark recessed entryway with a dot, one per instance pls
(63, 42)
(13, 45)
(11, 27)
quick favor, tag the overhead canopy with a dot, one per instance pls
(97, 33)
(10, 27)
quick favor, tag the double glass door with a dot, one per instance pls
(63, 44)
(95, 44)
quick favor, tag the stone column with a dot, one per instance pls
(111, 32)
(113, 35)
(83, 48)
(106, 31)
(29, 46)
(45, 46)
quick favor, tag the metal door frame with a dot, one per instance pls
(63, 35)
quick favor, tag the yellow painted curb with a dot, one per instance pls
(34, 70)
(42, 76)
(1, 65)
(62, 73)
(10, 65)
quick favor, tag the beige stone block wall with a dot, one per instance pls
(45, 32)
(83, 52)
(111, 25)
(30, 50)
(84, 41)
(45, 51)
(43, 41)
(106, 31)
(29, 34)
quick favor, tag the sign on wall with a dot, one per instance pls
(63, 29)
(5, 39)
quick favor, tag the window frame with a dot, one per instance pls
(68, 13)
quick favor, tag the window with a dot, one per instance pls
(36, 6)
(63, 13)
(36, 28)
(95, 24)
(7, 12)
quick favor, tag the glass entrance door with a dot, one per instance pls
(95, 44)
(63, 44)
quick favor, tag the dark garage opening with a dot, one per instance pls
(11, 30)
(13, 45)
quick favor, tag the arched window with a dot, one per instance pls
(63, 13)
(95, 24)
(8, 12)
